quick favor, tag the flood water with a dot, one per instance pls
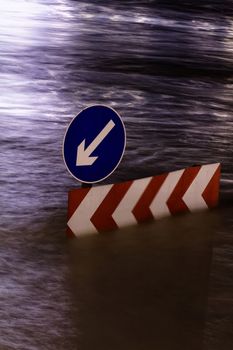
(168, 71)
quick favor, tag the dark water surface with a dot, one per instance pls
(168, 70)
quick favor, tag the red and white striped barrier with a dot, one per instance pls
(109, 207)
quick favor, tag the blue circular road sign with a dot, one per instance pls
(94, 144)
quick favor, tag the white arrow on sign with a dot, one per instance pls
(83, 155)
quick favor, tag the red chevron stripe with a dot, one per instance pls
(175, 202)
(211, 193)
(141, 210)
(75, 198)
(102, 219)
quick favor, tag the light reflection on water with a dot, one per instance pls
(169, 74)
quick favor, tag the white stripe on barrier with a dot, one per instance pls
(159, 206)
(80, 221)
(123, 214)
(193, 196)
